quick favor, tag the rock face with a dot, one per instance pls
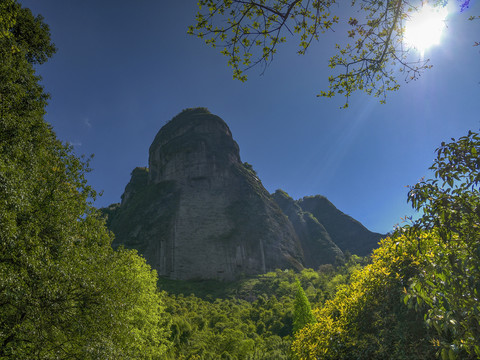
(345, 231)
(198, 212)
(317, 245)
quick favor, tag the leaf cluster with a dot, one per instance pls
(374, 55)
(450, 283)
(367, 319)
(249, 32)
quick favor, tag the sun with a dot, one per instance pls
(424, 28)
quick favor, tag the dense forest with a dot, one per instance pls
(66, 294)
(254, 318)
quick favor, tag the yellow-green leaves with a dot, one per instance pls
(302, 313)
(450, 206)
(419, 296)
(363, 317)
(374, 56)
(8, 15)
(249, 32)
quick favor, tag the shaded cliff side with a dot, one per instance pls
(317, 245)
(345, 231)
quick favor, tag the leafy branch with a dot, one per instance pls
(250, 31)
(372, 59)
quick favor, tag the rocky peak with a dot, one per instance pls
(195, 144)
(138, 180)
(348, 233)
(317, 245)
(201, 213)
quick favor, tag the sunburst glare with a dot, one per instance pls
(424, 28)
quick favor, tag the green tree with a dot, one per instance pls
(419, 297)
(372, 59)
(367, 318)
(450, 284)
(302, 311)
(64, 293)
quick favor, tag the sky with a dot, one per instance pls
(125, 68)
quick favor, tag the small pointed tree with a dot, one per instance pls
(302, 312)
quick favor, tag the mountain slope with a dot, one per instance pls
(317, 245)
(345, 231)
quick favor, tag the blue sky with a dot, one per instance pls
(124, 68)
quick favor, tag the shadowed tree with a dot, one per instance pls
(64, 293)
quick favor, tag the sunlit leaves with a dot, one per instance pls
(424, 280)
(365, 315)
(302, 313)
(374, 56)
(251, 31)
(450, 283)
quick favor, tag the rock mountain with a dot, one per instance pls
(198, 212)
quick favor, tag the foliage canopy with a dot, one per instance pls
(64, 293)
(252, 318)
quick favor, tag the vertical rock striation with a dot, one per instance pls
(316, 242)
(197, 211)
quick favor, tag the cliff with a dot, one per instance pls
(198, 211)
(345, 231)
(317, 245)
